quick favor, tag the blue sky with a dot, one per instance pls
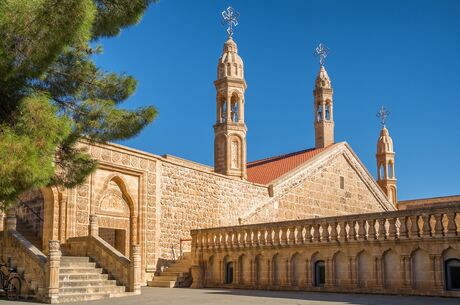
(402, 54)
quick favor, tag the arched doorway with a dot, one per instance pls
(320, 274)
(452, 272)
(228, 279)
(115, 216)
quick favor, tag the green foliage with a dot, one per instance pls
(52, 94)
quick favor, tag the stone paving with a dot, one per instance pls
(164, 296)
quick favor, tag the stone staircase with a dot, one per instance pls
(176, 275)
(26, 230)
(81, 280)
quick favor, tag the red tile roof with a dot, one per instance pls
(266, 170)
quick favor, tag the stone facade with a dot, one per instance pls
(155, 201)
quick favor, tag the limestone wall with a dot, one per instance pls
(193, 198)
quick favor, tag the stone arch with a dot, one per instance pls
(236, 151)
(451, 268)
(421, 269)
(341, 274)
(209, 274)
(318, 269)
(275, 274)
(242, 269)
(117, 214)
(391, 269)
(51, 214)
(258, 270)
(296, 269)
(235, 106)
(228, 271)
(365, 266)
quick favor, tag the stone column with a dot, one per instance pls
(93, 225)
(135, 269)
(11, 220)
(52, 272)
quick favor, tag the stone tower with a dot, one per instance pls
(324, 114)
(385, 165)
(230, 129)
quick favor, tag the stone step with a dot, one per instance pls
(75, 259)
(177, 269)
(92, 289)
(70, 270)
(68, 264)
(86, 283)
(83, 276)
(77, 297)
(163, 277)
(166, 284)
(177, 274)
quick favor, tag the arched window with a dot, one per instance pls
(234, 109)
(223, 111)
(381, 172)
(229, 273)
(328, 112)
(320, 274)
(275, 270)
(319, 113)
(452, 272)
(390, 170)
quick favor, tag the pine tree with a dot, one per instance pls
(52, 94)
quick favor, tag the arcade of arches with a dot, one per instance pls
(401, 252)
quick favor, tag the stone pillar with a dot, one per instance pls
(52, 272)
(197, 276)
(135, 269)
(10, 223)
(93, 225)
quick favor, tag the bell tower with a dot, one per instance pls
(386, 177)
(323, 103)
(230, 129)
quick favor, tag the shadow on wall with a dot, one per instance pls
(328, 298)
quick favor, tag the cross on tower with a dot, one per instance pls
(230, 16)
(321, 52)
(383, 114)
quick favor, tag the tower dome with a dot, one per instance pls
(230, 63)
(323, 80)
(385, 143)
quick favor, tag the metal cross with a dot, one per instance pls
(321, 52)
(230, 16)
(383, 114)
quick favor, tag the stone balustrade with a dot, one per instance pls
(40, 272)
(127, 271)
(404, 252)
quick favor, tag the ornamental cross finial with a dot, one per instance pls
(321, 52)
(230, 16)
(383, 114)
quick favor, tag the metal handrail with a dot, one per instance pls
(26, 204)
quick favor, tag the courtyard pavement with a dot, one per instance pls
(164, 296)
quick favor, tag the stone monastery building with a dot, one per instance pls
(135, 214)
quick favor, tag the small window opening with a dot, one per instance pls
(342, 182)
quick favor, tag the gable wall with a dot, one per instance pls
(320, 195)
